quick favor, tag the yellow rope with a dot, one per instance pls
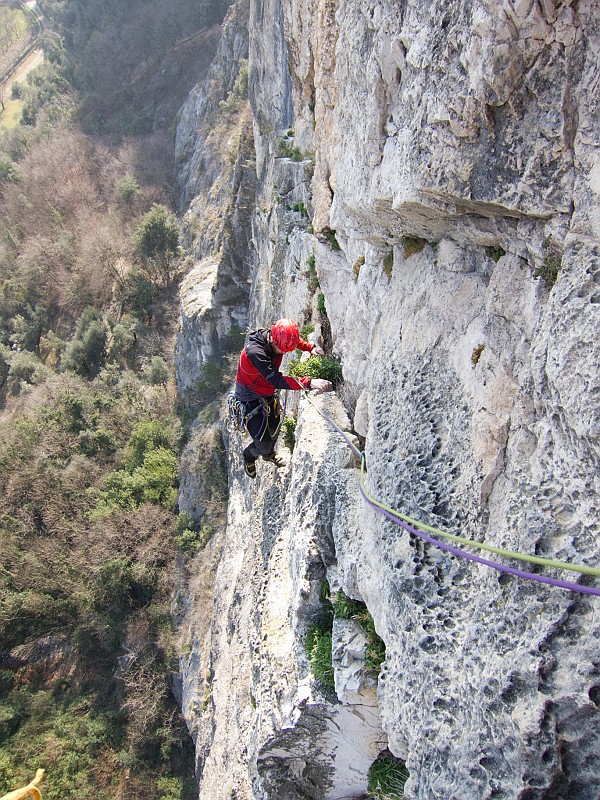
(29, 790)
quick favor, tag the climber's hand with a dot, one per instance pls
(321, 385)
(317, 351)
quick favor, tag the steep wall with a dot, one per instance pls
(453, 148)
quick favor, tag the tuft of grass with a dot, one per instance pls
(311, 274)
(289, 432)
(495, 253)
(388, 263)
(549, 269)
(318, 649)
(357, 265)
(301, 209)
(476, 354)
(329, 236)
(387, 777)
(321, 304)
(306, 330)
(346, 608)
(412, 245)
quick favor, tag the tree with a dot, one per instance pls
(86, 351)
(157, 243)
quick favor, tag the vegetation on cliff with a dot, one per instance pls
(89, 436)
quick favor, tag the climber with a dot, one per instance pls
(257, 380)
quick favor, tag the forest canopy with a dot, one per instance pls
(90, 432)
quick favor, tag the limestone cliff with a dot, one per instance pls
(441, 162)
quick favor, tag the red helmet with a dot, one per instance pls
(285, 335)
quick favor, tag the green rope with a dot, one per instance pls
(547, 562)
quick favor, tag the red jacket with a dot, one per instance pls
(258, 368)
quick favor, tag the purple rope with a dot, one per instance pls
(519, 573)
(572, 587)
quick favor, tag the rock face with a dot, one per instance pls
(440, 161)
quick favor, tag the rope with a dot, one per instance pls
(29, 790)
(413, 526)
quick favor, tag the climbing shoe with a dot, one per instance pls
(275, 459)
(250, 469)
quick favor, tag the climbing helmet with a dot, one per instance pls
(285, 335)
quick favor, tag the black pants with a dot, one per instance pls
(263, 427)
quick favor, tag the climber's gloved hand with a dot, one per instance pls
(317, 351)
(321, 385)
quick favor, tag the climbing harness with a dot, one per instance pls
(239, 415)
(418, 529)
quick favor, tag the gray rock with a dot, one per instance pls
(473, 127)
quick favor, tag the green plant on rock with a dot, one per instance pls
(387, 777)
(311, 274)
(289, 432)
(301, 209)
(388, 264)
(321, 304)
(550, 266)
(494, 252)
(356, 268)
(306, 330)
(329, 235)
(286, 150)
(346, 608)
(412, 245)
(318, 649)
(317, 367)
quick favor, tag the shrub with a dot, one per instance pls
(149, 474)
(495, 253)
(156, 373)
(317, 367)
(188, 536)
(21, 370)
(289, 432)
(321, 304)
(157, 244)
(329, 236)
(148, 436)
(387, 777)
(86, 351)
(412, 245)
(210, 382)
(139, 294)
(388, 263)
(311, 274)
(128, 189)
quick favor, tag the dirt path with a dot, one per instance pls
(33, 60)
